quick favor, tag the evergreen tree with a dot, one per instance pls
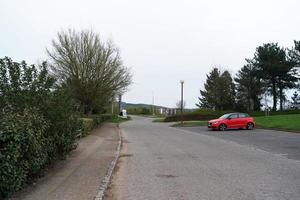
(295, 101)
(219, 91)
(249, 88)
(274, 69)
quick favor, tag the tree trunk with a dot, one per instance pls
(281, 98)
(274, 95)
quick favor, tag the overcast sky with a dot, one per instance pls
(163, 41)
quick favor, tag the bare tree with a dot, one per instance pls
(91, 69)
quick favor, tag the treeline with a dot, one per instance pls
(40, 105)
(272, 71)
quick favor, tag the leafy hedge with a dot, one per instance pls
(89, 122)
(22, 143)
(87, 126)
(38, 124)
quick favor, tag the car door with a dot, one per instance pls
(242, 120)
(232, 121)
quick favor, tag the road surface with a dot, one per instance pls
(160, 162)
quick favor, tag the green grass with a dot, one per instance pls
(190, 124)
(118, 119)
(281, 122)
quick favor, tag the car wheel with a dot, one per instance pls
(222, 127)
(250, 126)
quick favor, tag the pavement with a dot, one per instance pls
(282, 143)
(79, 176)
(161, 162)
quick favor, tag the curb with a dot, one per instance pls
(108, 176)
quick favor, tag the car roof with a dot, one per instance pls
(237, 113)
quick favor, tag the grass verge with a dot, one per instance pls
(280, 122)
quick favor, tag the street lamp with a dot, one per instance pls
(181, 102)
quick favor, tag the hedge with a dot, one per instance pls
(88, 122)
(87, 126)
(38, 124)
(22, 149)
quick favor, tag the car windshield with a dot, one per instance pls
(224, 116)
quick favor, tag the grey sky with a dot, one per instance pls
(163, 41)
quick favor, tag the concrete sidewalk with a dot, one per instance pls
(80, 175)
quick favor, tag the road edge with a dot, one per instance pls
(107, 179)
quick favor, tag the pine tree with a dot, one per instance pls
(219, 91)
(249, 88)
(295, 101)
(272, 67)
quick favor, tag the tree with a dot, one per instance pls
(274, 69)
(294, 54)
(219, 91)
(249, 88)
(92, 70)
(295, 101)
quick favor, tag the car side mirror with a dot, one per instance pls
(229, 118)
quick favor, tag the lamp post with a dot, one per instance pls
(181, 102)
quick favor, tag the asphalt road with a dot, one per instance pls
(283, 143)
(160, 162)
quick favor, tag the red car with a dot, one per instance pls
(231, 121)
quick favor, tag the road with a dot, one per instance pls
(283, 143)
(160, 162)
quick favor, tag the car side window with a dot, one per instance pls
(242, 115)
(233, 116)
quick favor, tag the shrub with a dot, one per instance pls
(87, 125)
(38, 123)
(22, 144)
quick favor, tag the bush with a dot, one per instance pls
(87, 125)
(22, 148)
(38, 124)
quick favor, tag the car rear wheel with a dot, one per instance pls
(222, 127)
(250, 126)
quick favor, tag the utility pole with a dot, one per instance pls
(181, 106)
